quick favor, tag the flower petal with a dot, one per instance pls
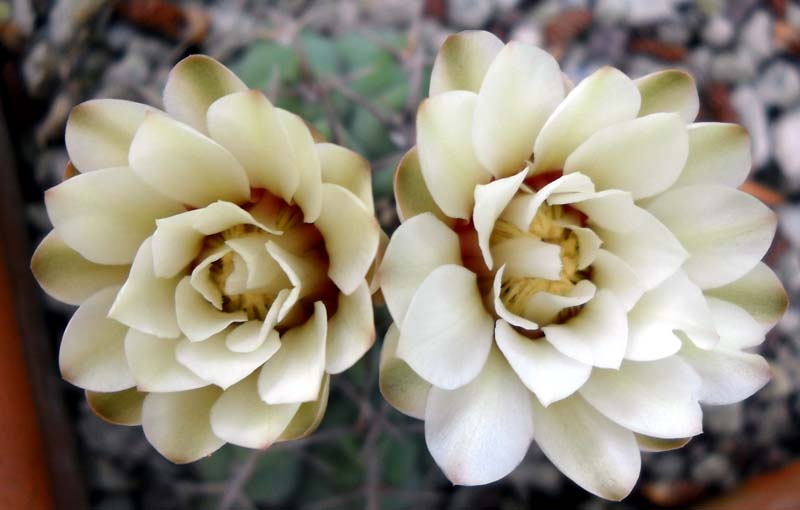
(118, 407)
(447, 334)
(194, 84)
(105, 215)
(480, 432)
(719, 154)
(612, 273)
(670, 90)
(462, 61)
(523, 208)
(604, 98)
(203, 281)
(178, 424)
(612, 209)
(309, 416)
(400, 385)
(528, 257)
(351, 330)
(295, 372)
(759, 292)
(501, 309)
(654, 398)
(416, 248)
(411, 193)
(596, 336)
(521, 89)
(92, 353)
(594, 452)
(197, 318)
(644, 156)
(490, 201)
(588, 245)
(543, 307)
(65, 275)
(549, 374)
(301, 142)
(725, 231)
(444, 145)
(727, 376)
(185, 165)
(99, 132)
(737, 329)
(154, 366)
(655, 444)
(176, 243)
(348, 169)
(248, 126)
(264, 273)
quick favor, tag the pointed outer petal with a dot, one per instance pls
(306, 274)
(201, 278)
(154, 366)
(197, 318)
(588, 245)
(399, 385)
(528, 257)
(727, 375)
(644, 156)
(545, 371)
(262, 270)
(416, 248)
(147, 302)
(105, 215)
(736, 328)
(523, 207)
(351, 236)
(373, 274)
(654, 398)
(500, 307)
(718, 154)
(676, 304)
(670, 90)
(118, 407)
(543, 307)
(490, 201)
(65, 275)
(725, 231)
(610, 272)
(175, 243)
(655, 444)
(295, 372)
(351, 330)
(411, 193)
(309, 416)
(99, 132)
(447, 334)
(309, 189)
(463, 60)
(194, 84)
(240, 417)
(596, 336)
(214, 362)
(600, 100)
(185, 165)
(594, 452)
(612, 209)
(347, 169)
(178, 424)
(247, 336)
(480, 432)
(450, 168)
(521, 89)
(759, 292)
(92, 354)
(247, 125)
(650, 249)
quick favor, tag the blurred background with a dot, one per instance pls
(357, 69)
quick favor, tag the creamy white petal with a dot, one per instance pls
(444, 144)
(263, 271)
(184, 164)
(490, 201)
(604, 98)
(737, 329)
(99, 132)
(550, 375)
(590, 449)
(528, 257)
(202, 280)
(521, 89)
(309, 189)
(543, 307)
(725, 231)
(671, 90)
(147, 302)
(154, 366)
(416, 248)
(305, 273)
(410, 191)
(295, 372)
(501, 309)
(655, 398)
(247, 336)
(105, 215)
(117, 407)
(400, 385)
(523, 207)
(351, 330)
(178, 424)
(718, 154)
(480, 432)
(588, 245)
(759, 292)
(611, 273)
(194, 84)
(92, 353)
(197, 318)
(348, 169)
(611, 209)
(655, 444)
(309, 415)
(447, 334)
(727, 376)
(463, 60)
(644, 156)
(176, 243)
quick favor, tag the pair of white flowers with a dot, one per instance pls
(575, 266)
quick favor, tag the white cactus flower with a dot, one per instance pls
(574, 266)
(219, 256)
